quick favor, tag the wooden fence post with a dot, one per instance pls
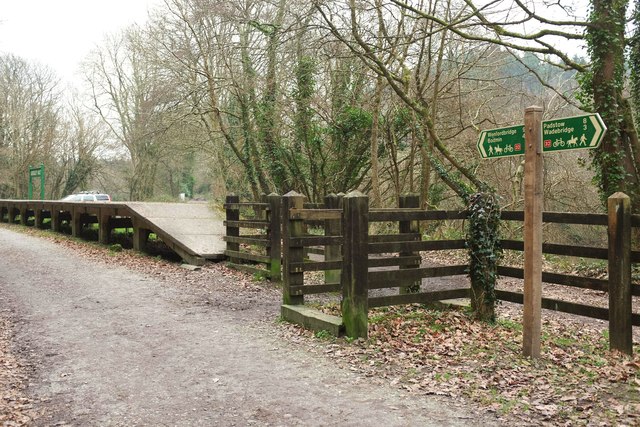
(104, 227)
(37, 217)
(55, 219)
(292, 228)
(274, 250)
(355, 289)
(24, 215)
(410, 201)
(332, 227)
(619, 233)
(533, 180)
(76, 222)
(232, 214)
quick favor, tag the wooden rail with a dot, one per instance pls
(255, 253)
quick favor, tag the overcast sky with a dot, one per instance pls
(60, 33)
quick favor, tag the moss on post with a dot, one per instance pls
(355, 229)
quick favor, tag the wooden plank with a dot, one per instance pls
(560, 217)
(312, 319)
(310, 240)
(419, 298)
(316, 289)
(431, 245)
(262, 241)
(396, 278)
(245, 256)
(315, 214)
(574, 218)
(238, 205)
(401, 237)
(316, 265)
(247, 223)
(395, 261)
(393, 214)
(620, 308)
(533, 202)
(559, 279)
(558, 305)
(558, 249)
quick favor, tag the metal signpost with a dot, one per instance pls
(35, 173)
(533, 139)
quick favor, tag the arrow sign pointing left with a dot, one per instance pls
(501, 142)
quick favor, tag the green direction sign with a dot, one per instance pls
(501, 142)
(573, 133)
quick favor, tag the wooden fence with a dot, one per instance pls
(357, 261)
(261, 248)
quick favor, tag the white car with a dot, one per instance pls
(87, 197)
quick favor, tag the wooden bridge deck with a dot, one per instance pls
(192, 230)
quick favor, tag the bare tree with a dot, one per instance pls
(131, 96)
(29, 122)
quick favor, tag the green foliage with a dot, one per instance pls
(483, 244)
(634, 62)
(601, 91)
(323, 335)
(116, 247)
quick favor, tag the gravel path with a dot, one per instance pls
(114, 347)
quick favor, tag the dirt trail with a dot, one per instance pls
(115, 347)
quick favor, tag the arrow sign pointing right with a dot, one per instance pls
(573, 133)
(600, 130)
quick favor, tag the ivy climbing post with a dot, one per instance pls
(483, 243)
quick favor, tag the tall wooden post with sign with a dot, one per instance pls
(569, 133)
(533, 200)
